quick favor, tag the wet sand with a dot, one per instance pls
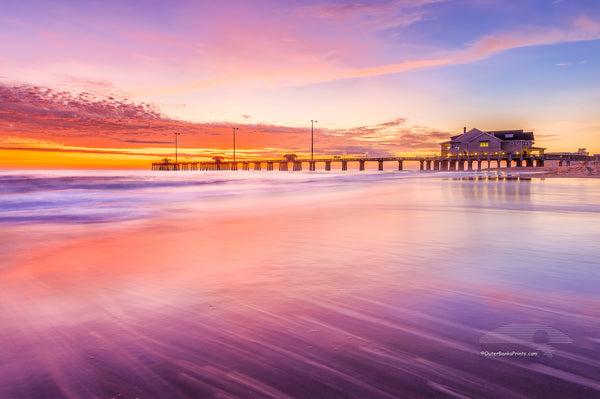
(363, 295)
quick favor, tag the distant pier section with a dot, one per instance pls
(457, 162)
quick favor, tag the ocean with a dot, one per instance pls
(298, 284)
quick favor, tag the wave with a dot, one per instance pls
(109, 196)
(114, 196)
(31, 184)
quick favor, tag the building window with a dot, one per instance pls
(484, 143)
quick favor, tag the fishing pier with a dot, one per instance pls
(291, 162)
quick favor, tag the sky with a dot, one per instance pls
(104, 84)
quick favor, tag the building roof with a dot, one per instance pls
(512, 134)
(472, 135)
(504, 135)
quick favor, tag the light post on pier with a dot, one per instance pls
(312, 130)
(176, 134)
(234, 129)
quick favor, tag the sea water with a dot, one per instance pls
(298, 284)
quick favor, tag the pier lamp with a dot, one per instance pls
(234, 129)
(176, 134)
(312, 130)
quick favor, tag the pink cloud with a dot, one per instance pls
(38, 102)
(587, 24)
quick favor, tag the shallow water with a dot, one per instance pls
(274, 284)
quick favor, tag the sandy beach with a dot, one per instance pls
(577, 170)
(368, 288)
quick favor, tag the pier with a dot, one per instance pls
(435, 163)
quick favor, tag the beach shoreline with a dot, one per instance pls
(577, 171)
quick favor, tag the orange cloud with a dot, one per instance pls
(40, 121)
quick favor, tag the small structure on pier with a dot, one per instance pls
(580, 152)
(476, 142)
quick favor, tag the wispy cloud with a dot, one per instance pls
(379, 15)
(319, 70)
(85, 83)
(72, 150)
(398, 135)
(563, 64)
(583, 29)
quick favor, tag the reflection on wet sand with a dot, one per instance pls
(381, 295)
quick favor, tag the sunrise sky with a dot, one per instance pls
(107, 83)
